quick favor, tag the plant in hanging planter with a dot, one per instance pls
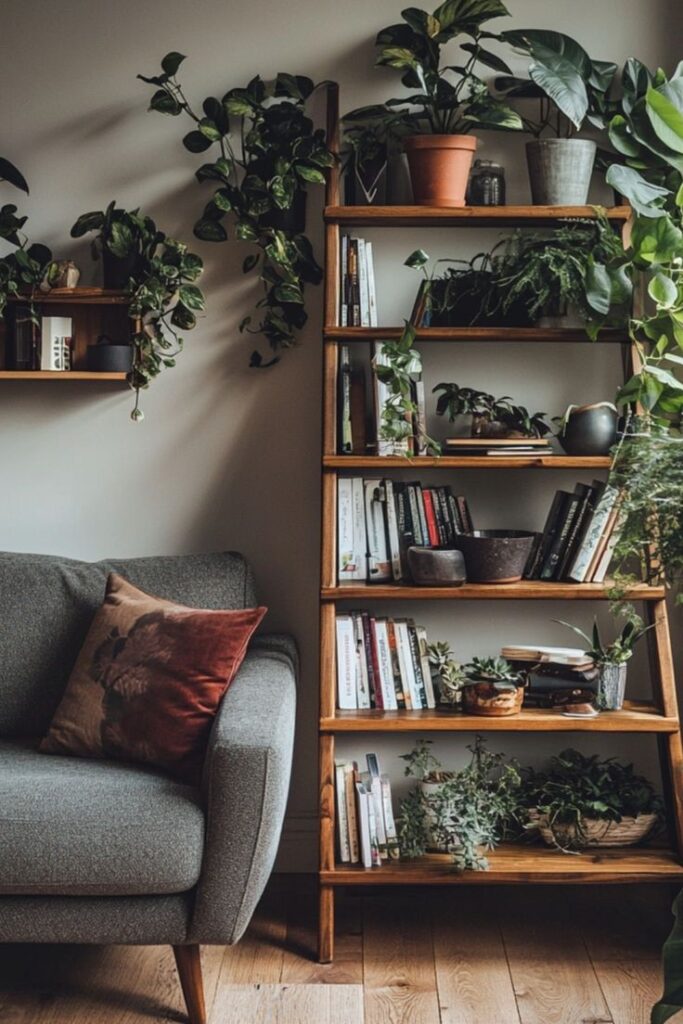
(446, 102)
(399, 369)
(588, 801)
(465, 812)
(571, 90)
(163, 298)
(611, 659)
(575, 275)
(267, 152)
(491, 417)
(449, 674)
(492, 688)
(366, 141)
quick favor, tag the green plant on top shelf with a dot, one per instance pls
(400, 370)
(163, 297)
(620, 650)
(267, 152)
(468, 812)
(491, 416)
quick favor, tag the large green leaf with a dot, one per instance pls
(560, 67)
(485, 57)
(665, 111)
(656, 241)
(456, 16)
(621, 137)
(635, 81)
(545, 46)
(641, 194)
(171, 62)
(8, 172)
(196, 142)
(663, 290)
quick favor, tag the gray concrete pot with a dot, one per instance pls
(495, 556)
(560, 171)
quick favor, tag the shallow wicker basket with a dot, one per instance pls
(596, 832)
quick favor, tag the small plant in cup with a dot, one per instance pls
(449, 673)
(611, 659)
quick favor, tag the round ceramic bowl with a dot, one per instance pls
(436, 567)
(495, 556)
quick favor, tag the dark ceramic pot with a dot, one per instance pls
(589, 429)
(366, 182)
(495, 556)
(109, 358)
(432, 567)
(117, 270)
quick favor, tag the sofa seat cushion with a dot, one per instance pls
(69, 826)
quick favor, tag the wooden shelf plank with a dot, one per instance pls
(518, 863)
(635, 717)
(77, 296)
(68, 377)
(537, 335)
(527, 590)
(378, 463)
(465, 216)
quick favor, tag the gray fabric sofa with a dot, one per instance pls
(106, 852)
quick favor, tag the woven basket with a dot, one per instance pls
(596, 832)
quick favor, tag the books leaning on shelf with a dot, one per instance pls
(358, 295)
(379, 519)
(581, 531)
(382, 663)
(366, 830)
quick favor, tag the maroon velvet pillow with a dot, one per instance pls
(148, 681)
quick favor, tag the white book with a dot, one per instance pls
(374, 784)
(360, 536)
(343, 283)
(363, 803)
(351, 811)
(543, 653)
(379, 566)
(389, 822)
(405, 661)
(363, 284)
(421, 418)
(392, 531)
(375, 853)
(342, 819)
(362, 683)
(372, 293)
(421, 634)
(347, 565)
(53, 332)
(589, 544)
(385, 445)
(346, 664)
(386, 671)
(604, 563)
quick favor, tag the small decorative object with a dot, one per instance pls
(60, 274)
(21, 346)
(589, 429)
(450, 676)
(490, 417)
(589, 801)
(366, 145)
(495, 556)
(487, 184)
(109, 356)
(612, 659)
(492, 688)
(436, 567)
(465, 812)
(56, 337)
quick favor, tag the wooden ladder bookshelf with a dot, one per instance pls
(509, 863)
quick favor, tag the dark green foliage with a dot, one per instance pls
(463, 401)
(619, 651)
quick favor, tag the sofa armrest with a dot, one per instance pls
(246, 780)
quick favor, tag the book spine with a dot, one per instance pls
(421, 634)
(363, 284)
(351, 814)
(405, 658)
(607, 555)
(362, 800)
(386, 669)
(547, 537)
(346, 437)
(360, 535)
(421, 511)
(346, 664)
(392, 530)
(374, 670)
(372, 291)
(603, 542)
(375, 786)
(402, 695)
(342, 819)
(344, 283)
(594, 531)
(418, 537)
(454, 513)
(347, 568)
(564, 527)
(424, 689)
(393, 851)
(362, 682)
(465, 517)
(379, 566)
(375, 855)
(573, 539)
(354, 284)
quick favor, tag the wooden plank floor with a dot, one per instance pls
(498, 955)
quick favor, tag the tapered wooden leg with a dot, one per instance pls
(189, 964)
(326, 925)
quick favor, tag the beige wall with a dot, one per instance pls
(228, 457)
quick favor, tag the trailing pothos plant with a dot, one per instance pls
(163, 297)
(400, 367)
(22, 269)
(266, 152)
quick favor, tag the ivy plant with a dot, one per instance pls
(163, 298)
(400, 369)
(22, 269)
(266, 151)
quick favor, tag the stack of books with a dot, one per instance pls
(382, 663)
(579, 537)
(556, 674)
(357, 293)
(379, 519)
(497, 446)
(366, 830)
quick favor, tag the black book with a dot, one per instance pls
(585, 493)
(534, 566)
(446, 514)
(565, 521)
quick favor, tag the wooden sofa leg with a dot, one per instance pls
(189, 964)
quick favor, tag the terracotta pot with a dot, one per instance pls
(439, 168)
(482, 698)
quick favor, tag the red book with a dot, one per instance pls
(430, 516)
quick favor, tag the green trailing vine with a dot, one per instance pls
(266, 152)
(403, 367)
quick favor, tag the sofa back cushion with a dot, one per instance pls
(47, 604)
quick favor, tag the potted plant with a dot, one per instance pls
(490, 417)
(400, 368)
(448, 674)
(572, 276)
(611, 659)
(365, 157)
(163, 297)
(492, 688)
(447, 102)
(495, 556)
(260, 182)
(589, 801)
(464, 812)
(571, 90)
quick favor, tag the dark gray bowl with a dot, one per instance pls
(436, 567)
(495, 556)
